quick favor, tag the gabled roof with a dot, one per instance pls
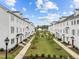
(14, 13)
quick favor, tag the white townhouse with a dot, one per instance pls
(13, 26)
(67, 29)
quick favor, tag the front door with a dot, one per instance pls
(20, 38)
(72, 42)
(17, 40)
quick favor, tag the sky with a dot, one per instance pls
(42, 12)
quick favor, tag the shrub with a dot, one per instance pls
(1, 49)
(49, 56)
(36, 56)
(54, 56)
(14, 48)
(76, 48)
(31, 56)
(61, 56)
(42, 55)
(73, 46)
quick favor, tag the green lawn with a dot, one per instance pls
(12, 54)
(44, 44)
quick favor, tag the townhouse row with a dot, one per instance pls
(67, 29)
(14, 26)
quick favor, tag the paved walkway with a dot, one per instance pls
(75, 55)
(23, 51)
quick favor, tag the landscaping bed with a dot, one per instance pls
(43, 44)
(11, 54)
(46, 57)
(75, 50)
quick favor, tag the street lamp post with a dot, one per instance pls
(6, 43)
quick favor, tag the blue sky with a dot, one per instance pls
(42, 12)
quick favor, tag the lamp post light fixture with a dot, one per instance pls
(6, 43)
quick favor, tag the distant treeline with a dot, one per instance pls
(42, 27)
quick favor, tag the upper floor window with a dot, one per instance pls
(12, 17)
(17, 30)
(73, 32)
(77, 21)
(67, 38)
(66, 30)
(12, 29)
(12, 41)
(74, 22)
(71, 22)
(23, 29)
(20, 29)
(67, 23)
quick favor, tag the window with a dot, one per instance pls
(66, 30)
(27, 27)
(74, 22)
(67, 38)
(77, 21)
(63, 30)
(17, 30)
(12, 17)
(23, 29)
(78, 32)
(67, 23)
(60, 30)
(12, 41)
(12, 29)
(73, 32)
(20, 29)
(71, 22)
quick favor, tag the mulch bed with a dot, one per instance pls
(75, 49)
(39, 57)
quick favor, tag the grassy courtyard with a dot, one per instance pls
(11, 54)
(43, 44)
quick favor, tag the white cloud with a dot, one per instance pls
(13, 9)
(71, 6)
(24, 9)
(71, 12)
(51, 5)
(64, 13)
(33, 16)
(43, 11)
(50, 17)
(45, 5)
(76, 3)
(39, 4)
(10, 2)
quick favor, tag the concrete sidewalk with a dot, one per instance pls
(24, 50)
(75, 55)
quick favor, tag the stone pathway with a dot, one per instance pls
(23, 51)
(75, 55)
